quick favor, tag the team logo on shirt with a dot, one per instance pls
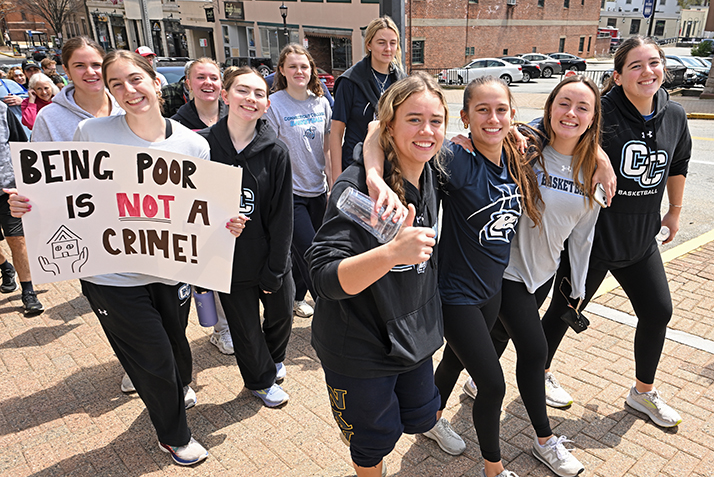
(642, 165)
(503, 221)
(247, 201)
(310, 132)
(184, 292)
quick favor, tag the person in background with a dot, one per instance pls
(41, 90)
(202, 111)
(18, 76)
(261, 261)
(49, 67)
(30, 67)
(150, 56)
(357, 91)
(300, 115)
(176, 94)
(13, 93)
(58, 81)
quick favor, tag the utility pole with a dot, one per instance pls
(148, 37)
(395, 9)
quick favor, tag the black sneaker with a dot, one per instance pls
(31, 303)
(8, 280)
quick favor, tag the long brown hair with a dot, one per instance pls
(519, 166)
(74, 44)
(281, 82)
(585, 153)
(621, 57)
(390, 101)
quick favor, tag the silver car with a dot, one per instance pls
(548, 65)
(482, 67)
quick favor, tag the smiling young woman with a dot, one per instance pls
(205, 108)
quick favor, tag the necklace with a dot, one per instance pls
(382, 85)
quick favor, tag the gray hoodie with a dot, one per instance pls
(59, 120)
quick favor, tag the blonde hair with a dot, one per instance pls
(281, 82)
(201, 61)
(379, 24)
(389, 103)
(585, 153)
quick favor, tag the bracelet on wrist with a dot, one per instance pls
(675, 206)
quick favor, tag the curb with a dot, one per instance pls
(700, 116)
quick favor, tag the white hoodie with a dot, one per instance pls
(58, 121)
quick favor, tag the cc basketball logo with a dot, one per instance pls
(642, 165)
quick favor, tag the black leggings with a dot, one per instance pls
(519, 320)
(466, 329)
(645, 284)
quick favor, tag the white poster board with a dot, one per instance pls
(104, 208)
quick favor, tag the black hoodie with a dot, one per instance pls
(262, 252)
(395, 324)
(188, 115)
(362, 106)
(643, 154)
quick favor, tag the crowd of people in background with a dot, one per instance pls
(510, 232)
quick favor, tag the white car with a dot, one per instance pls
(482, 67)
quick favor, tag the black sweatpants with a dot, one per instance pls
(519, 320)
(308, 213)
(645, 284)
(146, 327)
(468, 344)
(258, 348)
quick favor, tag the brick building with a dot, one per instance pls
(18, 21)
(449, 33)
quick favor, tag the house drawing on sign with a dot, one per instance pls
(64, 243)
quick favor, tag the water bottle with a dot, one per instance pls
(662, 235)
(205, 306)
(360, 208)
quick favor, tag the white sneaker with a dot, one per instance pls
(449, 441)
(223, 341)
(303, 309)
(653, 405)
(556, 396)
(280, 372)
(189, 397)
(470, 388)
(190, 454)
(505, 473)
(559, 459)
(126, 385)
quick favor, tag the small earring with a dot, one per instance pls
(590, 126)
(466, 125)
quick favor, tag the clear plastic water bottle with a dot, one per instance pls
(360, 208)
(662, 235)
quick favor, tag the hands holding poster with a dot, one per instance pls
(104, 208)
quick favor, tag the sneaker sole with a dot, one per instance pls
(270, 405)
(30, 313)
(9, 290)
(127, 390)
(302, 315)
(538, 456)
(178, 460)
(638, 407)
(557, 405)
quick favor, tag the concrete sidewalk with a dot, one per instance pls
(62, 413)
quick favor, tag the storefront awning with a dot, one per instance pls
(323, 32)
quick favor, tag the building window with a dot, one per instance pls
(541, 3)
(417, 52)
(589, 41)
(635, 27)
(473, 1)
(612, 22)
(470, 51)
(271, 38)
(226, 36)
(84, 26)
(659, 27)
(561, 45)
(505, 52)
(628, 2)
(341, 53)
(581, 45)
(566, 3)
(662, 2)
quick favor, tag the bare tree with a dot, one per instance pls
(55, 12)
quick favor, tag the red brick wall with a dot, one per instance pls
(445, 44)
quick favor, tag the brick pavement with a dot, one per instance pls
(62, 413)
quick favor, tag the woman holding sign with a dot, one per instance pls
(144, 317)
(261, 262)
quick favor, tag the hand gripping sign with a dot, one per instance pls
(105, 208)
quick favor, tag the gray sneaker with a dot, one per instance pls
(449, 441)
(653, 405)
(126, 385)
(470, 388)
(559, 459)
(505, 473)
(556, 396)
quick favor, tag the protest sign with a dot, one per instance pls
(105, 208)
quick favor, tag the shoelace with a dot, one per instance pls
(560, 451)
(553, 382)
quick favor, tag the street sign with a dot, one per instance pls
(647, 9)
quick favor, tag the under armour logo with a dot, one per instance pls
(646, 134)
(565, 168)
(102, 312)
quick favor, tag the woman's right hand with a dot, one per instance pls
(412, 245)
(19, 204)
(463, 141)
(12, 100)
(32, 96)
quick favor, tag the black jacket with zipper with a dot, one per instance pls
(262, 252)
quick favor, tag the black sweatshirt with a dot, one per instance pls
(188, 115)
(262, 252)
(395, 324)
(643, 154)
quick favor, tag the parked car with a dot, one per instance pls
(548, 66)
(673, 79)
(530, 70)
(263, 65)
(39, 53)
(172, 73)
(326, 78)
(696, 73)
(482, 67)
(705, 61)
(569, 62)
(172, 60)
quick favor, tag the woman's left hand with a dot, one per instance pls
(236, 224)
